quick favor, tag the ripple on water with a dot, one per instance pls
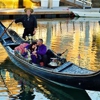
(82, 39)
(3, 54)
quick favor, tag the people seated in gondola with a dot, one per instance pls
(36, 52)
(40, 52)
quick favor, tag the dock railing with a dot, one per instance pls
(83, 3)
(86, 2)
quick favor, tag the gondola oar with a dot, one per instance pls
(62, 60)
(60, 54)
(6, 29)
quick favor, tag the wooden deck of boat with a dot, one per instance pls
(70, 68)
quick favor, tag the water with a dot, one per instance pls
(82, 39)
(14, 77)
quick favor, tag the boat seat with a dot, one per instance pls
(63, 67)
(6, 37)
(9, 40)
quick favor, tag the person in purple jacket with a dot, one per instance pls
(40, 52)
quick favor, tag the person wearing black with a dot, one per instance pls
(29, 23)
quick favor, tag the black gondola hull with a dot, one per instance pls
(89, 82)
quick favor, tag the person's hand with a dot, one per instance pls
(13, 20)
(35, 55)
(35, 48)
(25, 50)
(34, 52)
(34, 31)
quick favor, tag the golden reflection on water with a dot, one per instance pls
(10, 83)
(14, 4)
(3, 54)
(82, 39)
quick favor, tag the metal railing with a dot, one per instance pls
(85, 2)
(82, 3)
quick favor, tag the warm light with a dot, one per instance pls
(7, 75)
(3, 54)
(79, 38)
(14, 3)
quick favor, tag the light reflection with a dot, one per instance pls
(80, 38)
(7, 76)
(3, 54)
(8, 83)
(15, 4)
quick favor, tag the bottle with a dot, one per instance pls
(30, 38)
(29, 56)
(26, 38)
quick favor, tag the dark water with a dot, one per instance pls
(15, 78)
(80, 36)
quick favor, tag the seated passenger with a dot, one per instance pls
(20, 48)
(41, 51)
(31, 48)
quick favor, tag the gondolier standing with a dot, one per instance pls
(29, 22)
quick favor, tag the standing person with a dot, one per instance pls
(42, 49)
(29, 22)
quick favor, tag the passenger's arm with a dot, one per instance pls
(26, 48)
(42, 51)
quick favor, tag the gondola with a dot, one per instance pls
(66, 75)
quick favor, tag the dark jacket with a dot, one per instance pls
(28, 22)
